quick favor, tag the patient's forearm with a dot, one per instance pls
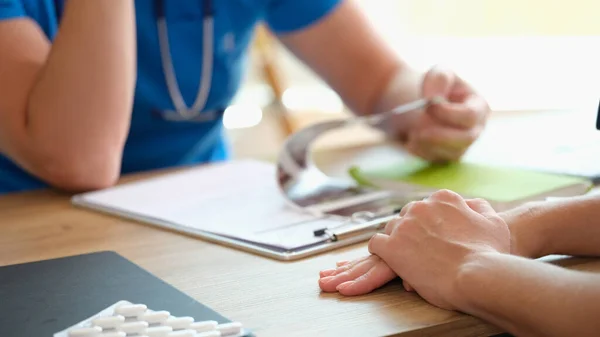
(531, 298)
(569, 227)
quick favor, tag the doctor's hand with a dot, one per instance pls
(444, 131)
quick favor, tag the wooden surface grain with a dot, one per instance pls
(273, 298)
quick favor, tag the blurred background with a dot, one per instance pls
(524, 56)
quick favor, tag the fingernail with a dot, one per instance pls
(344, 285)
(341, 263)
(326, 272)
(438, 100)
(326, 279)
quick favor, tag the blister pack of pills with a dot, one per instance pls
(126, 319)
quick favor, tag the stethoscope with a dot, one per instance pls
(182, 112)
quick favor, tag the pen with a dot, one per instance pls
(375, 119)
(371, 226)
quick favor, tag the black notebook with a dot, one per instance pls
(45, 297)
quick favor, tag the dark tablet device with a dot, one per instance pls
(598, 118)
(45, 297)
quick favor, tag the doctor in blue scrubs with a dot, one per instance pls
(91, 89)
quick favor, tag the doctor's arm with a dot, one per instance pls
(65, 106)
(345, 50)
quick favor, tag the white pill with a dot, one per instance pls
(232, 328)
(209, 334)
(154, 317)
(204, 326)
(178, 323)
(109, 322)
(158, 331)
(92, 331)
(134, 327)
(183, 333)
(130, 310)
(113, 334)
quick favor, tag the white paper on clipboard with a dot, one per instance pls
(237, 199)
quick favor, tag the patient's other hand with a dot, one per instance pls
(357, 277)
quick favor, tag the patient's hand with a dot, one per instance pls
(360, 276)
(368, 273)
(357, 277)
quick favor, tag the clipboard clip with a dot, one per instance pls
(360, 223)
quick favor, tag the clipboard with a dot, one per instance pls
(211, 202)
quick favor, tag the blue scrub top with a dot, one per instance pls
(153, 142)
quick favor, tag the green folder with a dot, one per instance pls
(499, 184)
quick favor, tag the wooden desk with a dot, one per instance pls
(274, 298)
